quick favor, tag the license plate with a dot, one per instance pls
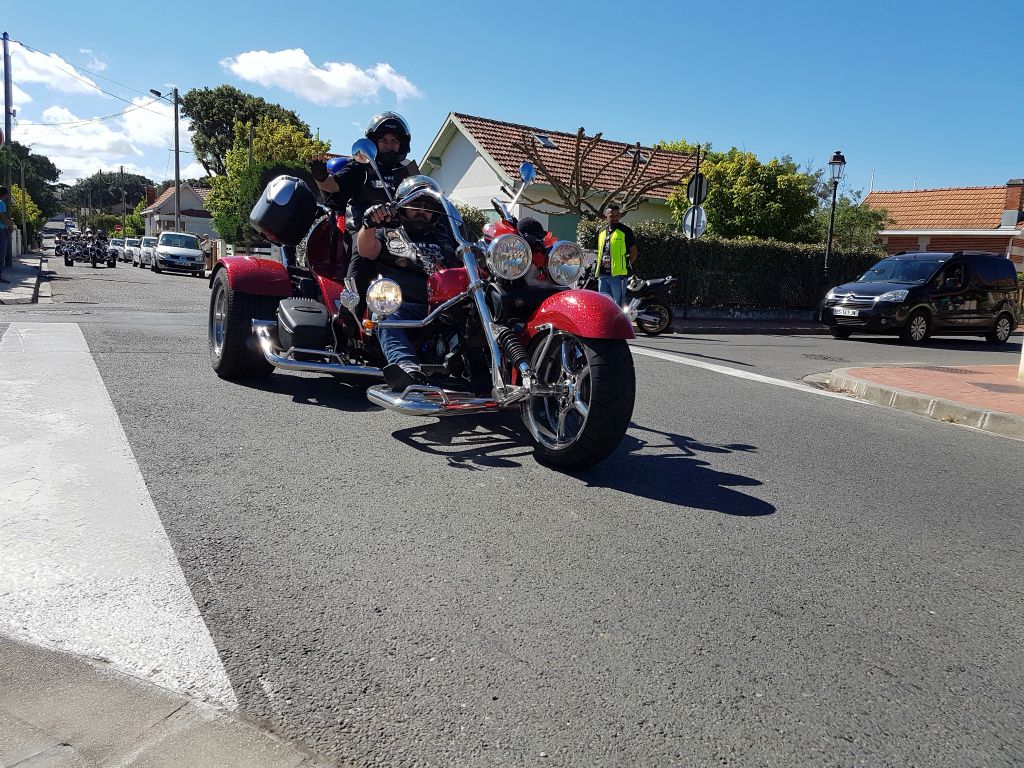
(845, 312)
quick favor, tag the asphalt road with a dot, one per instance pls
(759, 576)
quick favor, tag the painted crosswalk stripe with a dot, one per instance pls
(85, 565)
(749, 375)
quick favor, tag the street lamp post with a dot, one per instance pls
(177, 155)
(836, 166)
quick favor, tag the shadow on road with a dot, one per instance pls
(649, 463)
(324, 391)
(952, 343)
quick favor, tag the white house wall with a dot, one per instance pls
(466, 176)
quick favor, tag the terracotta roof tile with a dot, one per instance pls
(167, 193)
(497, 138)
(950, 208)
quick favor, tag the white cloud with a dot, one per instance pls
(49, 70)
(335, 83)
(96, 61)
(152, 123)
(78, 149)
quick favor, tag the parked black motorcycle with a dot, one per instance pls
(649, 301)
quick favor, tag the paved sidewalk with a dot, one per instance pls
(986, 397)
(24, 276)
(62, 711)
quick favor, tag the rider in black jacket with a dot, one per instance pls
(356, 184)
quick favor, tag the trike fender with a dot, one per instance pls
(253, 275)
(587, 314)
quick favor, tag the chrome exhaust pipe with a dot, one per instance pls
(265, 331)
(420, 400)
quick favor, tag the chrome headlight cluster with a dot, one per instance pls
(384, 297)
(509, 256)
(565, 262)
(899, 295)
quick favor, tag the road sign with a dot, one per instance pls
(117, 227)
(697, 189)
(695, 221)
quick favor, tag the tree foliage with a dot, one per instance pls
(24, 209)
(775, 200)
(856, 226)
(748, 198)
(106, 187)
(135, 225)
(473, 222)
(278, 147)
(214, 113)
(40, 176)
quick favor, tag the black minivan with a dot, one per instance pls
(916, 295)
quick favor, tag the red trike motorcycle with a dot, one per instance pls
(491, 340)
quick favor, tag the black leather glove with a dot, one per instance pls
(373, 218)
(319, 170)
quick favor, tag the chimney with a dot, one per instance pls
(150, 196)
(1014, 204)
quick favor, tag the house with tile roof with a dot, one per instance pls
(955, 219)
(472, 157)
(195, 218)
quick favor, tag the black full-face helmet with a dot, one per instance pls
(390, 122)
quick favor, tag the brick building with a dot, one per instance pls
(955, 219)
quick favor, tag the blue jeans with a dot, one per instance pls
(614, 287)
(395, 341)
(5, 244)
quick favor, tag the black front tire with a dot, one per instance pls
(111, 264)
(840, 333)
(612, 392)
(664, 322)
(155, 268)
(917, 329)
(93, 260)
(234, 351)
(1002, 329)
(69, 263)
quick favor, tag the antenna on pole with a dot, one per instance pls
(871, 184)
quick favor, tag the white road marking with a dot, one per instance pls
(85, 564)
(750, 376)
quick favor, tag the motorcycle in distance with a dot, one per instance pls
(649, 301)
(489, 342)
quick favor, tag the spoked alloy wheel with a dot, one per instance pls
(591, 389)
(917, 329)
(663, 315)
(1002, 330)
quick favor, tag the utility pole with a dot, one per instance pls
(7, 258)
(24, 210)
(177, 165)
(124, 208)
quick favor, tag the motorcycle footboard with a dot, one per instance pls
(421, 400)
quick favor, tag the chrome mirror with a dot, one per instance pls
(527, 172)
(364, 151)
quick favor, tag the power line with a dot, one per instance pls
(83, 80)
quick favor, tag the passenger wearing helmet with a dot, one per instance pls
(429, 248)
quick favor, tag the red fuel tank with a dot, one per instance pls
(446, 284)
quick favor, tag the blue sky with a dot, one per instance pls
(905, 88)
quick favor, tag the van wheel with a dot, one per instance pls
(840, 333)
(1001, 330)
(918, 328)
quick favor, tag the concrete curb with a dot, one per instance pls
(1005, 424)
(690, 327)
(60, 709)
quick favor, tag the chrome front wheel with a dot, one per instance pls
(586, 389)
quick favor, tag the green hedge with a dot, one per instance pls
(737, 273)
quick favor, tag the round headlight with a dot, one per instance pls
(565, 262)
(384, 297)
(509, 256)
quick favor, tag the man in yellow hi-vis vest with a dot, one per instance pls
(616, 255)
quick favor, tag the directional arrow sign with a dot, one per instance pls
(697, 189)
(695, 221)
